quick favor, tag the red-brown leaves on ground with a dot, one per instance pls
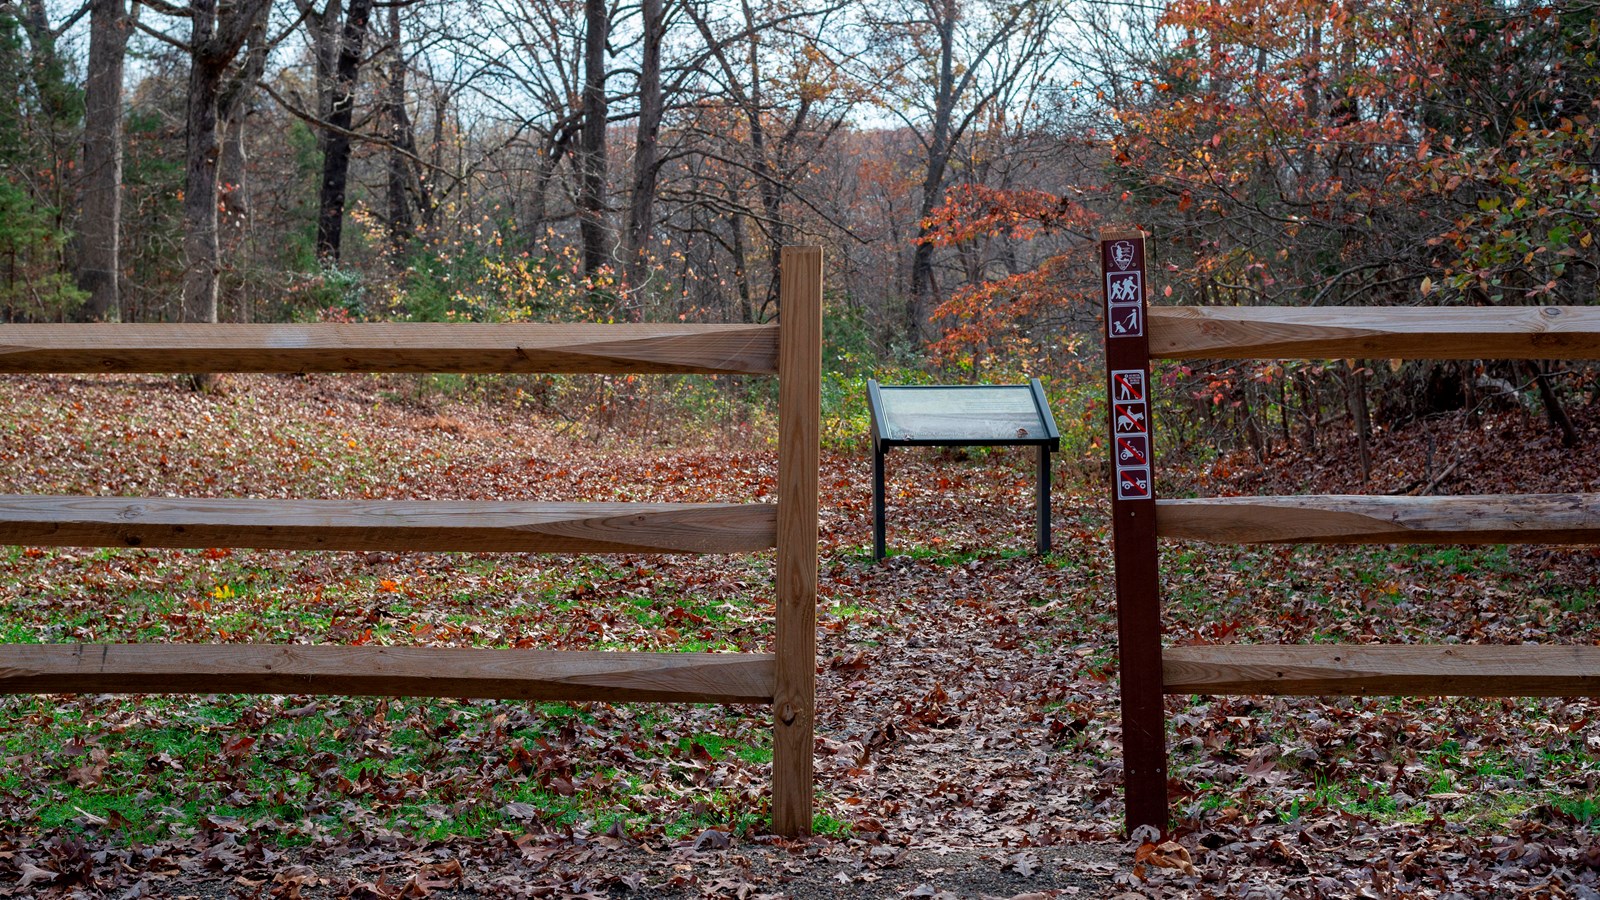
(968, 735)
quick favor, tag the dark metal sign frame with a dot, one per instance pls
(883, 440)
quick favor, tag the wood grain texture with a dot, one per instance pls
(1466, 670)
(1121, 234)
(389, 347)
(795, 637)
(427, 525)
(1358, 519)
(385, 672)
(1523, 332)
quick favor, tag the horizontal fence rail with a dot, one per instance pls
(1361, 519)
(783, 679)
(424, 525)
(387, 672)
(390, 347)
(1468, 670)
(1270, 332)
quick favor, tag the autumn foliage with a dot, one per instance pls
(1312, 152)
(1308, 152)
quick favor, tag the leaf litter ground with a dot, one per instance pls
(968, 741)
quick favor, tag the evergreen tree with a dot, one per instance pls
(34, 285)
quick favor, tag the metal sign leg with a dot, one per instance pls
(878, 549)
(1044, 500)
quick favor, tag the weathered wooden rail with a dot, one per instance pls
(784, 678)
(1137, 333)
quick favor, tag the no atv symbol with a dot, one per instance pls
(1133, 484)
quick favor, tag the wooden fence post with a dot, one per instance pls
(795, 643)
(1133, 516)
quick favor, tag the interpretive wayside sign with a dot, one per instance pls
(957, 416)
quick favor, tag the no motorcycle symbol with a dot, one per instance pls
(1133, 450)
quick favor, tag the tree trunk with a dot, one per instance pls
(323, 28)
(234, 225)
(592, 189)
(1554, 409)
(58, 102)
(200, 248)
(1362, 418)
(741, 263)
(214, 42)
(922, 287)
(400, 136)
(336, 156)
(98, 241)
(641, 203)
(1252, 429)
(1310, 411)
(428, 204)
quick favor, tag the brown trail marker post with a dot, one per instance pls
(1133, 528)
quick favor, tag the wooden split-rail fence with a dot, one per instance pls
(784, 678)
(1137, 333)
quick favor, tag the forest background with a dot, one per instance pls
(514, 160)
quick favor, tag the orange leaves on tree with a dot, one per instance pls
(975, 211)
(997, 314)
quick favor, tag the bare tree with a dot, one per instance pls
(402, 142)
(947, 61)
(771, 68)
(646, 158)
(217, 33)
(336, 143)
(593, 222)
(99, 265)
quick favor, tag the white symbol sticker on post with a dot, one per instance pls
(1123, 287)
(1129, 418)
(1126, 321)
(1133, 484)
(1122, 255)
(1124, 305)
(1127, 385)
(1133, 450)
